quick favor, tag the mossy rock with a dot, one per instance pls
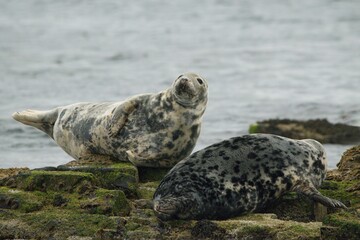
(62, 181)
(340, 191)
(16, 229)
(61, 224)
(147, 190)
(267, 226)
(122, 176)
(347, 224)
(21, 200)
(107, 202)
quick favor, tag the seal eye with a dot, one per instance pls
(200, 81)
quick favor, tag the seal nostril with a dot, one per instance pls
(200, 81)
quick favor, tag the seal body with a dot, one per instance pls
(149, 130)
(240, 175)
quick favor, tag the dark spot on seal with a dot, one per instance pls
(216, 167)
(235, 147)
(237, 169)
(306, 163)
(170, 145)
(226, 144)
(318, 165)
(276, 152)
(82, 129)
(226, 158)
(176, 134)
(207, 154)
(252, 155)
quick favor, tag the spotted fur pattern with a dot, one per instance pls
(149, 130)
(239, 175)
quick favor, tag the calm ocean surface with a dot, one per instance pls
(262, 59)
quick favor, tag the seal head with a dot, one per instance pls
(190, 89)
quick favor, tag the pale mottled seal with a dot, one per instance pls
(240, 175)
(149, 130)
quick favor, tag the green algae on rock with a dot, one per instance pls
(102, 211)
(108, 202)
(52, 181)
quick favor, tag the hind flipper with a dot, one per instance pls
(310, 191)
(43, 120)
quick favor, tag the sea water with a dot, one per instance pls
(263, 59)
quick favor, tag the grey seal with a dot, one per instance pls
(150, 130)
(241, 175)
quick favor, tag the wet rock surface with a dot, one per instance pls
(319, 129)
(81, 200)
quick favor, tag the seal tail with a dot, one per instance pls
(42, 120)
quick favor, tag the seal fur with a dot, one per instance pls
(150, 130)
(240, 175)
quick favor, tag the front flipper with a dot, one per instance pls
(310, 191)
(119, 117)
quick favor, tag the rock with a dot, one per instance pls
(59, 200)
(63, 181)
(121, 176)
(7, 172)
(344, 184)
(7, 202)
(346, 225)
(22, 201)
(107, 202)
(208, 229)
(318, 129)
(349, 165)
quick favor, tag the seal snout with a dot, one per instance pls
(164, 209)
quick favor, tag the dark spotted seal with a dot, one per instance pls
(241, 175)
(149, 130)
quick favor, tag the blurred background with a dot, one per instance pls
(263, 59)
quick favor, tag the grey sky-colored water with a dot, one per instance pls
(262, 59)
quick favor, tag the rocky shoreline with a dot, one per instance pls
(319, 129)
(99, 199)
